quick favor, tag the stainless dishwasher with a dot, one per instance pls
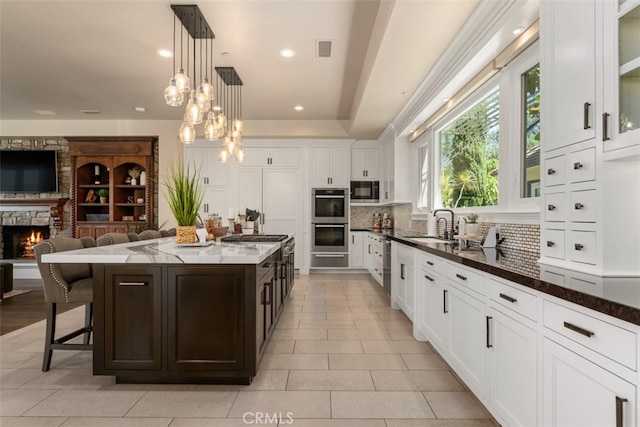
(386, 266)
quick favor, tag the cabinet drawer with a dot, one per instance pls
(552, 277)
(583, 206)
(466, 278)
(582, 246)
(555, 171)
(404, 251)
(582, 165)
(514, 298)
(552, 242)
(555, 207)
(434, 263)
(612, 341)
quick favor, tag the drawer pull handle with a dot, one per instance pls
(551, 171)
(579, 330)
(605, 127)
(577, 165)
(402, 271)
(489, 345)
(551, 207)
(578, 246)
(508, 298)
(620, 411)
(132, 283)
(444, 301)
(585, 112)
(578, 206)
(460, 276)
(431, 279)
(429, 263)
(550, 244)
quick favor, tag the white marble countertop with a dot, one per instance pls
(167, 251)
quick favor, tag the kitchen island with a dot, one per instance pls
(165, 313)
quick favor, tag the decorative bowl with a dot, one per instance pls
(219, 231)
(247, 231)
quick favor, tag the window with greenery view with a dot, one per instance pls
(469, 156)
(531, 132)
(423, 169)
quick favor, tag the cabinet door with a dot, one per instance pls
(570, 52)
(250, 188)
(398, 283)
(468, 339)
(513, 361)
(205, 159)
(281, 195)
(358, 163)
(340, 167)
(432, 319)
(285, 157)
(356, 253)
(372, 163)
(577, 392)
(410, 289)
(207, 336)
(133, 318)
(215, 201)
(255, 156)
(320, 167)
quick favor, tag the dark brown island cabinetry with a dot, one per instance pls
(197, 323)
(102, 165)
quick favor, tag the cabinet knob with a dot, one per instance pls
(550, 244)
(578, 206)
(578, 246)
(551, 171)
(577, 165)
(551, 207)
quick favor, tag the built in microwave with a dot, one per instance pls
(365, 191)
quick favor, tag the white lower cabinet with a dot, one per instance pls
(578, 392)
(356, 249)
(513, 361)
(403, 279)
(432, 318)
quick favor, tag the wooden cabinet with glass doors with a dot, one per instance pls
(112, 185)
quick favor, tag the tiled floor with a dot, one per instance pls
(340, 356)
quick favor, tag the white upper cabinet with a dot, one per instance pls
(365, 164)
(330, 167)
(278, 157)
(212, 172)
(570, 54)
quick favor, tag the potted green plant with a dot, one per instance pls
(184, 195)
(103, 193)
(472, 227)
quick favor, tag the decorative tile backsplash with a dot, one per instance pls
(521, 237)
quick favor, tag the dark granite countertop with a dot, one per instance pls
(616, 297)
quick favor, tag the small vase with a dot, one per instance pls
(186, 234)
(134, 181)
(104, 199)
(143, 178)
(472, 229)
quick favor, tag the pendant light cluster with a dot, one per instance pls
(201, 106)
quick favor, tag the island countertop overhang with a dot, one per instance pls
(166, 251)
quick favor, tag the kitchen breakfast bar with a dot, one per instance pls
(165, 313)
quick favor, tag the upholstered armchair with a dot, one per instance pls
(112, 239)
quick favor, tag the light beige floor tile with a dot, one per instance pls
(32, 421)
(392, 315)
(184, 404)
(396, 347)
(221, 422)
(121, 422)
(329, 380)
(294, 361)
(384, 324)
(18, 358)
(299, 334)
(439, 423)
(416, 380)
(357, 334)
(266, 379)
(325, 309)
(365, 315)
(400, 334)
(328, 347)
(455, 405)
(16, 402)
(299, 404)
(327, 324)
(366, 361)
(277, 346)
(150, 387)
(76, 379)
(288, 324)
(424, 362)
(303, 316)
(14, 378)
(337, 423)
(379, 404)
(86, 403)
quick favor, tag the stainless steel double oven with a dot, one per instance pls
(330, 228)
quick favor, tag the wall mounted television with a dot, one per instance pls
(28, 171)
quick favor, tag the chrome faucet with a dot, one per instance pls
(451, 231)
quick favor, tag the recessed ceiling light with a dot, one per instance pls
(46, 112)
(518, 31)
(140, 109)
(298, 108)
(446, 99)
(165, 53)
(287, 53)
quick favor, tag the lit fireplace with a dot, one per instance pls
(19, 240)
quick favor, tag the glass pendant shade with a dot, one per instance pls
(221, 120)
(172, 95)
(207, 89)
(237, 125)
(240, 155)
(230, 144)
(203, 101)
(222, 155)
(187, 133)
(194, 112)
(209, 128)
(182, 81)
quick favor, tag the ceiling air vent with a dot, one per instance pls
(323, 48)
